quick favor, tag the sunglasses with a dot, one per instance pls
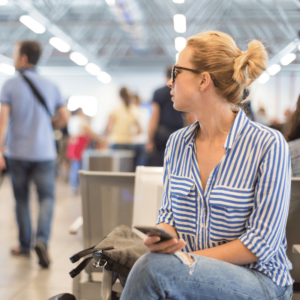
(174, 74)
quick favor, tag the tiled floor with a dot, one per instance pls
(22, 278)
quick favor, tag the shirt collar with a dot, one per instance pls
(240, 121)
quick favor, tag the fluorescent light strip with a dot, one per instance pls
(104, 77)
(286, 60)
(92, 69)
(264, 78)
(178, 1)
(7, 69)
(3, 2)
(180, 43)
(32, 24)
(274, 69)
(78, 58)
(179, 23)
(59, 44)
(111, 2)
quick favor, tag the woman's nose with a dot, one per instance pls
(170, 83)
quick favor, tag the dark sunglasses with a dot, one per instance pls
(174, 74)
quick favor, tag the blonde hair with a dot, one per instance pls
(231, 69)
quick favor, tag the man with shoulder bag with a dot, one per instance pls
(31, 107)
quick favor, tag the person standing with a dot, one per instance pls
(30, 146)
(164, 121)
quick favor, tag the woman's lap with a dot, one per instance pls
(165, 276)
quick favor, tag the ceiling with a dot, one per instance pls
(139, 34)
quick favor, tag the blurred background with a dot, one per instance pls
(134, 40)
(103, 54)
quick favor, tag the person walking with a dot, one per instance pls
(28, 102)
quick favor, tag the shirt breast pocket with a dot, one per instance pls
(230, 209)
(183, 202)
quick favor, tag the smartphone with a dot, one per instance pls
(155, 231)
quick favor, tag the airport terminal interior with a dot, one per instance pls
(180, 114)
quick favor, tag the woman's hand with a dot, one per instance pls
(167, 247)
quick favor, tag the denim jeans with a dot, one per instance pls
(75, 167)
(42, 173)
(167, 276)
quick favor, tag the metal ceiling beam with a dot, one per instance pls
(269, 13)
(288, 49)
(131, 20)
(285, 19)
(297, 2)
(55, 30)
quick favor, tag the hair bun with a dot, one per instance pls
(250, 64)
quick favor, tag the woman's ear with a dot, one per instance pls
(205, 80)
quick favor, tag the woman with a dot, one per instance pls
(293, 138)
(123, 124)
(226, 187)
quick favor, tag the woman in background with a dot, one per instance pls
(123, 124)
(293, 138)
(81, 135)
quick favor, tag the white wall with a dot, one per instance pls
(279, 93)
(76, 81)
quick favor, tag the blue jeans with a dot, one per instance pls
(75, 167)
(42, 173)
(166, 276)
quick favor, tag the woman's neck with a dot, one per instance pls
(215, 121)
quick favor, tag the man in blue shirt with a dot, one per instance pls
(30, 147)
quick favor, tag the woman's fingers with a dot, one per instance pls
(174, 248)
(170, 246)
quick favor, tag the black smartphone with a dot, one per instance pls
(155, 231)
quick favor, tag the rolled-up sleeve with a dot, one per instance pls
(165, 211)
(265, 228)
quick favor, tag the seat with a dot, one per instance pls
(293, 232)
(110, 199)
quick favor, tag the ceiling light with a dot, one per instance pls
(92, 69)
(59, 44)
(180, 43)
(7, 69)
(178, 1)
(264, 78)
(179, 23)
(274, 69)
(89, 106)
(104, 77)
(78, 58)
(32, 24)
(288, 59)
(111, 2)
(3, 2)
(177, 56)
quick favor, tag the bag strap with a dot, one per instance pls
(37, 94)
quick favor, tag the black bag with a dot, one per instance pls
(117, 252)
(37, 94)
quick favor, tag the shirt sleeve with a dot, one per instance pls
(5, 95)
(165, 211)
(265, 228)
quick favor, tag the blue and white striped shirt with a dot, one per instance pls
(246, 196)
